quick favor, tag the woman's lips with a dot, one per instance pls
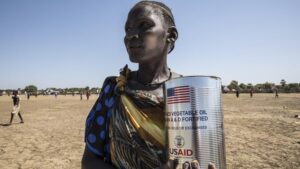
(134, 48)
(136, 45)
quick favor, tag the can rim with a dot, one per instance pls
(214, 77)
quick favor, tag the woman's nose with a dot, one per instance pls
(131, 35)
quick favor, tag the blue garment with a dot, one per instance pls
(98, 120)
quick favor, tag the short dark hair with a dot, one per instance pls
(165, 12)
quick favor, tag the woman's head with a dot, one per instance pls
(150, 32)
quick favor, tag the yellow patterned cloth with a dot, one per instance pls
(126, 127)
(137, 133)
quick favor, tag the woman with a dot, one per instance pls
(125, 127)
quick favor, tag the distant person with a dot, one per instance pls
(276, 93)
(80, 95)
(251, 93)
(16, 107)
(55, 94)
(237, 93)
(88, 95)
(28, 96)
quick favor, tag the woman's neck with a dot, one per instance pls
(149, 74)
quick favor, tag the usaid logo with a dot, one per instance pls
(179, 141)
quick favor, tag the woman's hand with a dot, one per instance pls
(211, 166)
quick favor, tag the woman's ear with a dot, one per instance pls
(172, 34)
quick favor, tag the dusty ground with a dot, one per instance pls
(260, 132)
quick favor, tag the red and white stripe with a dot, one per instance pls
(181, 95)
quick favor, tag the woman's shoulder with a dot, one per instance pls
(109, 79)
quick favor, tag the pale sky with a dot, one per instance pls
(72, 43)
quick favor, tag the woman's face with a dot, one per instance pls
(145, 38)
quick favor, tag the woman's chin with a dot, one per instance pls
(136, 58)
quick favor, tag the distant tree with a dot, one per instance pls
(31, 89)
(283, 82)
(87, 88)
(242, 86)
(8, 91)
(233, 85)
(292, 87)
(94, 90)
(268, 87)
(259, 87)
(249, 86)
(286, 89)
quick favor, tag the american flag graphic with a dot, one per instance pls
(180, 94)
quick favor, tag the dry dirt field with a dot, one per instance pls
(261, 132)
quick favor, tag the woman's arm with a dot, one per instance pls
(91, 161)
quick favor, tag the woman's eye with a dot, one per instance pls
(145, 25)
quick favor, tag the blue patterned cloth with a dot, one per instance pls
(129, 150)
(98, 120)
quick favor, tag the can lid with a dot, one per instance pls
(208, 76)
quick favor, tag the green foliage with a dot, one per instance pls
(268, 87)
(293, 85)
(291, 88)
(31, 89)
(242, 86)
(233, 85)
(249, 86)
(283, 82)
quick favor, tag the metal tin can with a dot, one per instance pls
(194, 121)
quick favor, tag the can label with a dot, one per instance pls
(194, 121)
